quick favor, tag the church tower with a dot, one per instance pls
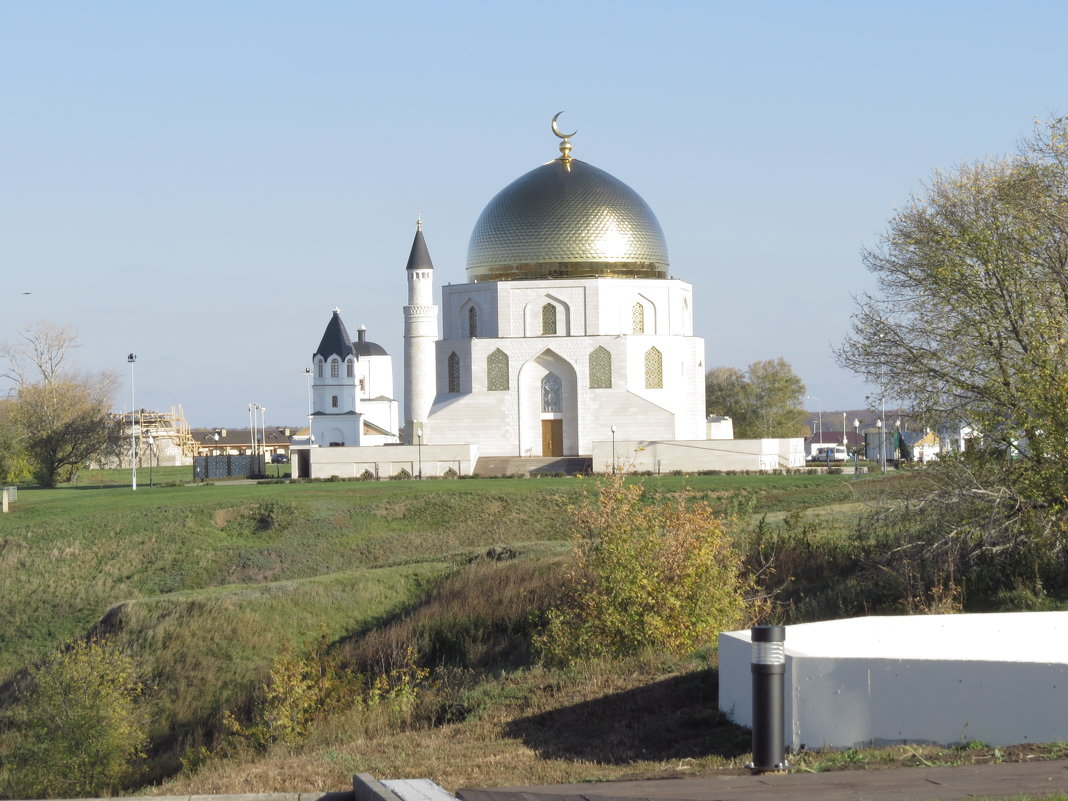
(420, 334)
(335, 419)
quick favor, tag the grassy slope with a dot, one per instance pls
(206, 583)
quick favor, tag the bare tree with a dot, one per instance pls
(40, 354)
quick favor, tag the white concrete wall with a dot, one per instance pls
(390, 460)
(694, 455)
(719, 428)
(1001, 679)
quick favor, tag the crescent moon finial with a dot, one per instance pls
(565, 143)
(556, 130)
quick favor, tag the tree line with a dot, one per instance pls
(56, 418)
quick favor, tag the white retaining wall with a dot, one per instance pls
(693, 455)
(389, 460)
(1001, 679)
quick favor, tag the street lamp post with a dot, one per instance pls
(263, 433)
(820, 404)
(856, 431)
(131, 359)
(252, 428)
(613, 448)
(308, 375)
(882, 443)
(419, 447)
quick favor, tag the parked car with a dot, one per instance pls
(280, 458)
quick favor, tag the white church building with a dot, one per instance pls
(570, 339)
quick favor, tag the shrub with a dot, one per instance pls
(79, 725)
(647, 574)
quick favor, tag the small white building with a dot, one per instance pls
(351, 390)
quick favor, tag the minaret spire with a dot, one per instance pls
(420, 335)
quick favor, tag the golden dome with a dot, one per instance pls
(566, 219)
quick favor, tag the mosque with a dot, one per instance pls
(569, 334)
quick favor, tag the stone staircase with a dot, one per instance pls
(525, 466)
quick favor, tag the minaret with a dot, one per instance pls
(420, 334)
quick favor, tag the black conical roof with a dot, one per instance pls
(336, 340)
(419, 258)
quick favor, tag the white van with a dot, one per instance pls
(836, 453)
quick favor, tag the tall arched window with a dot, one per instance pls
(497, 370)
(319, 368)
(654, 369)
(637, 319)
(334, 366)
(454, 372)
(472, 322)
(600, 368)
(548, 319)
(349, 368)
(550, 393)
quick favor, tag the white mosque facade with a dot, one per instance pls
(570, 339)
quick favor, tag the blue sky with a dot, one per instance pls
(202, 182)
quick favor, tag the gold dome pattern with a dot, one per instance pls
(566, 219)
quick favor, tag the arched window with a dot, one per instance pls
(319, 368)
(334, 366)
(637, 319)
(349, 368)
(548, 319)
(654, 369)
(550, 393)
(333, 401)
(600, 368)
(472, 322)
(497, 370)
(454, 372)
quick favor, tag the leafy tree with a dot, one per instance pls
(14, 464)
(61, 417)
(80, 727)
(970, 321)
(649, 574)
(766, 400)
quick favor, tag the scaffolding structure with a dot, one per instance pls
(157, 432)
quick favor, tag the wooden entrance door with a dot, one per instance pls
(552, 437)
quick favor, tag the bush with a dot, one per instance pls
(648, 574)
(79, 725)
(291, 697)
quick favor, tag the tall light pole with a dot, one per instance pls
(131, 359)
(820, 404)
(263, 430)
(613, 448)
(308, 375)
(856, 431)
(419, 443)
(252, 426)
(882, 443)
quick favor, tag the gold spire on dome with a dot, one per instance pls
(565, 144)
